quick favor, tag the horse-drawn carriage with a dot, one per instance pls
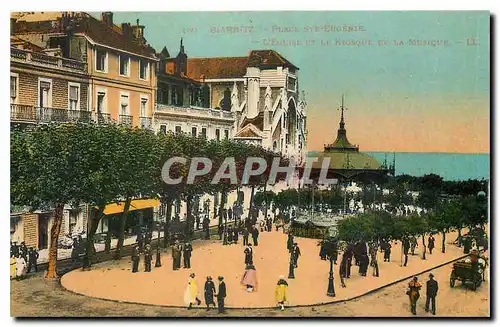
(468, 272)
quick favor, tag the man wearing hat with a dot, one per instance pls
(221, 295)
(248, 255)
(295, 254)
(431, 292)
(209, 292)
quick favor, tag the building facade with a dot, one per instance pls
(119, 63)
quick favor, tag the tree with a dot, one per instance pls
(445, 218)
(49, 173)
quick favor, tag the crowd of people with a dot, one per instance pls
(23, 260)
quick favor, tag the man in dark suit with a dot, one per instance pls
(432, 289)
(221, 295)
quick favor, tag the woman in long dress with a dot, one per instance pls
(20, 267)
(250, 278)
(191, 293)
(12, 267)
(281, 289)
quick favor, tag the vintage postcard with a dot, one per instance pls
(250, 164)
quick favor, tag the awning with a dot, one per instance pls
(113, 208)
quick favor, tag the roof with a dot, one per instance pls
(219, 67)
(81, 22)
(348, 160)
(234, 67)
(257, 121)
(17, 42)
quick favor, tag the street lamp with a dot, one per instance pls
(291, 274)
(331, 288)
(158, 257)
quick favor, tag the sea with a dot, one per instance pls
(450, 166)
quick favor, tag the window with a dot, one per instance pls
(73, 218)
(292, 84)
(101, 60)
(44, 92)
(178, 129)
(226, 134)
(163, 129)
(217, 134)
(225, 102)
(194, 131)
(74, 96)
(100, 102)
(144, 106)
(124, 65)
(204, 132)
(124, 104)
(13, 88)
(143, 69)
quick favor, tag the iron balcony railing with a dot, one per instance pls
(125, 120)
(146, 122)
(26, 113)
(103, 118)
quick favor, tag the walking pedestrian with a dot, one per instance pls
(387, 251)
(186, 252)
(406, 248)
(255, 236)
(295, 254)
(431, 292)
(289, 243)
(191, 293)
(248, 255)
(235, 235)
(32, 259)
(413, 244)
(245, 236)
(148, 256)
(281, 292)
(221, 295)
(249, 279)
(209, 292)
(176, 255)
(431, 243)
(374, 264)
(135, 259)
(414, 294)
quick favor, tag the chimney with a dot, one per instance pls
(126, 29)
(138, 30)
(107, 18)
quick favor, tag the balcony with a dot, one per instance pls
(47, 115)
(195, 112)
(41, 59)
(103, 118)
(23, 113)
(32, 114)
(125, 120)
(146, 122)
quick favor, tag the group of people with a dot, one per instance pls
(191, 293)
(431, 292)
(181, 250)
(23, 260)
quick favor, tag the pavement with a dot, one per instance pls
(165, 287)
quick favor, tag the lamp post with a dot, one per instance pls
(224, 242)
(331, 288)
(158, 257)
(291, 274)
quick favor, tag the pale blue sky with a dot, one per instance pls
(371, 77)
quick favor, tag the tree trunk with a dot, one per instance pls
(94, 222)
(250, 208)
(168, 217)
(444, 241)
(459, 236)
(266, 203)
(54, 237)
(424, 246)
(121, 235)
(189, 216)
